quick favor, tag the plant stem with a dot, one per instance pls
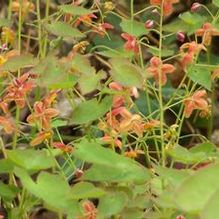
(160, 88)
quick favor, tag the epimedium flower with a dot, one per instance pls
(198, 101)
(25, 5)
(4, 107)
(120, 99)
(157, 67)
(114, 141)
(102, 28)
(7, 124)
(131, 44)
(133, 153)
(123, 121)
(42, 115)
(89, 210)
(85, 19)
(7, 35)
(167, 5)
(207, 32)
(189, 51)
(18, 90)
(41, 137)
(63, 147)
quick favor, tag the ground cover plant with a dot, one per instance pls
(109, 109)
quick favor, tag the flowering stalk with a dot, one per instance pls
(160, 88)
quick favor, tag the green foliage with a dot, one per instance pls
(74, 10)
(200, 75)
(15, 63)
(63, 29)
(126, 73)
(91, 110)
(109, 166)
(134, 28)
(30, 159)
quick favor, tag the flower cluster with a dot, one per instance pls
(159, 70)
(42, 116)
(189, 52)
(166, 4)
(120, 120)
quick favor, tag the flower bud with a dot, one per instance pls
(180, 217)
(180, 36)
(195, 6)
(149, 24)
(108, 6)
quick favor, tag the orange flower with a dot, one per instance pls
(42, 115)
(63, 147)
(18, 89)
(7, 35)
(114, 141)
(151, 124)
(119, 100)
(101, 29)
(85, 19)
(90, 211)
(4, 107)
(196, 101)
(122, 121)
(207, 32)
(156, 65)
(41, 137)
(50, 98)
(167, 5)
(133, 153)
(7, 124)
(26, 6)
(131, 44)
(192, 50)
(215, 74)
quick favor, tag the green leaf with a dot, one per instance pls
(216, 2)
(59, 123)
(108, 165)
(58, 197)
(132, 213)
(165, 52)
(175, 26)
(211, 210)
(75, 10)
(119, 52)
(192, 20)
(112, 203)
(6, 166)
(84, 190)
(194, 192)
(63, 29)
(126, 73)
(173, 176)
(53, 74)
(91, 110)
(5, 22)
(134, 28)
(15, 63)
(207, 147)
(89, 83)
(183, 155)
(200, 75)
(81, 64)
(30, 159)
(8, 192)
